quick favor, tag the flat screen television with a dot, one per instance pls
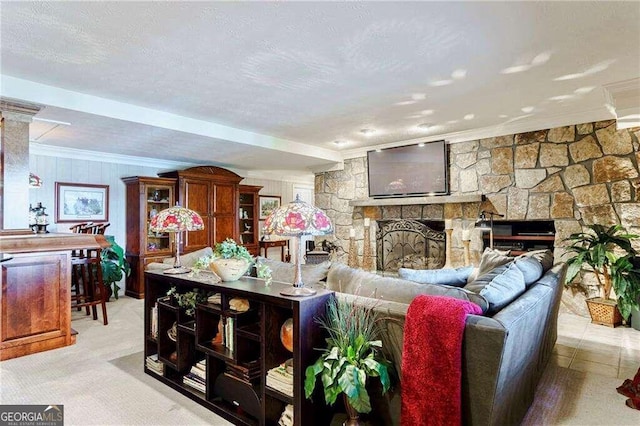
(410, 170)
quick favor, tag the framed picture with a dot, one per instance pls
(77, 202)
(268, 203)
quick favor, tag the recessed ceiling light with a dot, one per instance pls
(421, 144)
(340, 143)
(367, 132)
(459, 74)
(503, 116)
(439, 83)
(424, 126)
(426, 112)
(405, 103)
(515, 69)
(527, 109)
(418, 96)
(584, 90)
(452, 121)
(469, 116)
(414, 116)
(558, 98)
(541, 58)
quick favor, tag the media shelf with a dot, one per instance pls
(521, 236)
(238, 348)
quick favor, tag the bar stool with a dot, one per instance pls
(89, 287)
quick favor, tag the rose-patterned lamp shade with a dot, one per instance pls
(296, 219)
(176, 219)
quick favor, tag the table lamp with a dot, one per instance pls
(485, 224)
(296, 219)
(176, 219)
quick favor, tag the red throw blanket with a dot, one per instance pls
(431, 360)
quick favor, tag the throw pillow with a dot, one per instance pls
(455, 277)
(285, 272)
(500, 286)
(490, 259)
(530, 267)
(545, 257)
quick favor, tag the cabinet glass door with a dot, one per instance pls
(158, 198)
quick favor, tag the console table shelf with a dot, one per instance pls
(239, 348)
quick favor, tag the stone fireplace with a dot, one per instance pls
(409, 243)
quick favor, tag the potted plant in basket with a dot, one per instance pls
(230, 260)
(352, 355)
(608, 253)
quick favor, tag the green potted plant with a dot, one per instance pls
(609, 254)
(114, 266)
(189, 300)
(352, 355)
(230, 260)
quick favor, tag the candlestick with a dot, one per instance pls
(467, 255)
(447, 263)
(352, 259)
(367, 258)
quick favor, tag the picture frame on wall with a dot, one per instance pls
(75, 202)
(268, 203)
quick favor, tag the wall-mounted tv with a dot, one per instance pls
(410, 170)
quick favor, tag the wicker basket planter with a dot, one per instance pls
(604, 312)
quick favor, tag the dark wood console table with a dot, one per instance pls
(266, 244)
(233, 344)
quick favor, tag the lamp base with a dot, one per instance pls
(298, 292)
(178, 270)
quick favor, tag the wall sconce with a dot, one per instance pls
(485, 224)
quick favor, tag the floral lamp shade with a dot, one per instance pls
(296, 219)
(176, 219)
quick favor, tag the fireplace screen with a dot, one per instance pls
(409, 243)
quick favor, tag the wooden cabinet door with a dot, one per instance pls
(196, 196)
(225, 208)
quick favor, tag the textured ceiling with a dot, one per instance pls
(266, 85)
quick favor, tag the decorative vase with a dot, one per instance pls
(353, 417)
(229, 269)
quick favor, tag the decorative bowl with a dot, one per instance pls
(229, 269)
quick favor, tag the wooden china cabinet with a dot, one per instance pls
(248, 217)
(146, 197)
(213, 193)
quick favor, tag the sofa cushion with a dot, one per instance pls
(345, 279)
(285, 272)
(490, 259)
(189, 259)
(545, 257)
(455, 277)
(499, 287)
(530, 267)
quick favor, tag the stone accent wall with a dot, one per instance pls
(575, 175)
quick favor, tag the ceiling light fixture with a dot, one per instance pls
(426, 112)
(401, 103)
(527, 109)
(469, 116)
(418, 96)
(459, 74)
(423, 126)
(367, 132)
(340, 143)
(439, 83)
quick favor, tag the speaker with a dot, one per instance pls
(239, 393)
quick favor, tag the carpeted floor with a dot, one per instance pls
(100, 381)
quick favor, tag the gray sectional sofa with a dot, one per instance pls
(504, 353)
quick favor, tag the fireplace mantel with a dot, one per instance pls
(436, 199)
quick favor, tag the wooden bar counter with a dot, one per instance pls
(35, 301)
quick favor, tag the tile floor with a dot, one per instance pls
(593, 348)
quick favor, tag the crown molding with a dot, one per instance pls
(529, 125)
(624, 98)
(104, 157)
(282, 175)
